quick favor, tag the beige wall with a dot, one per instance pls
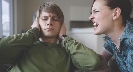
(19, 15)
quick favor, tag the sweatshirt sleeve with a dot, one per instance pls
(83, 58)
(12, 46)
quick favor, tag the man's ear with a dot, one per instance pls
(116, 13)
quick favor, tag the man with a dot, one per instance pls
(38, 49)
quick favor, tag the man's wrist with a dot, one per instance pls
(36, 32)
(63, 36)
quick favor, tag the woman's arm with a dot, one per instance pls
(106, 55)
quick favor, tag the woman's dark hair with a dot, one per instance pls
(124, 5)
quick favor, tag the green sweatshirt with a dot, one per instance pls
(30, 55)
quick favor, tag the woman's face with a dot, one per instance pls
(102, 17)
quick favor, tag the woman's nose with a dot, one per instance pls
(91, 17)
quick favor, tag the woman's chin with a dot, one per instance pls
(97, 33)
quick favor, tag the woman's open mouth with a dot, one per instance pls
(95, 24)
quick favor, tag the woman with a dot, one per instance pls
(111, 17)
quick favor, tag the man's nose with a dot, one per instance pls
(49, 22)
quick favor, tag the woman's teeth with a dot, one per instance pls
(95, 24)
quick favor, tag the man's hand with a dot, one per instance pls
(36, 21)
(62, 31)
(36, 24)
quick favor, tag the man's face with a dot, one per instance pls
(49, 24)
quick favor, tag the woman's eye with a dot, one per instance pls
(96, 11)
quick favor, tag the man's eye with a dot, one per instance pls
(44, 18)
(55, 19)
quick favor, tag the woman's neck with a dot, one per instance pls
(116, 33)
